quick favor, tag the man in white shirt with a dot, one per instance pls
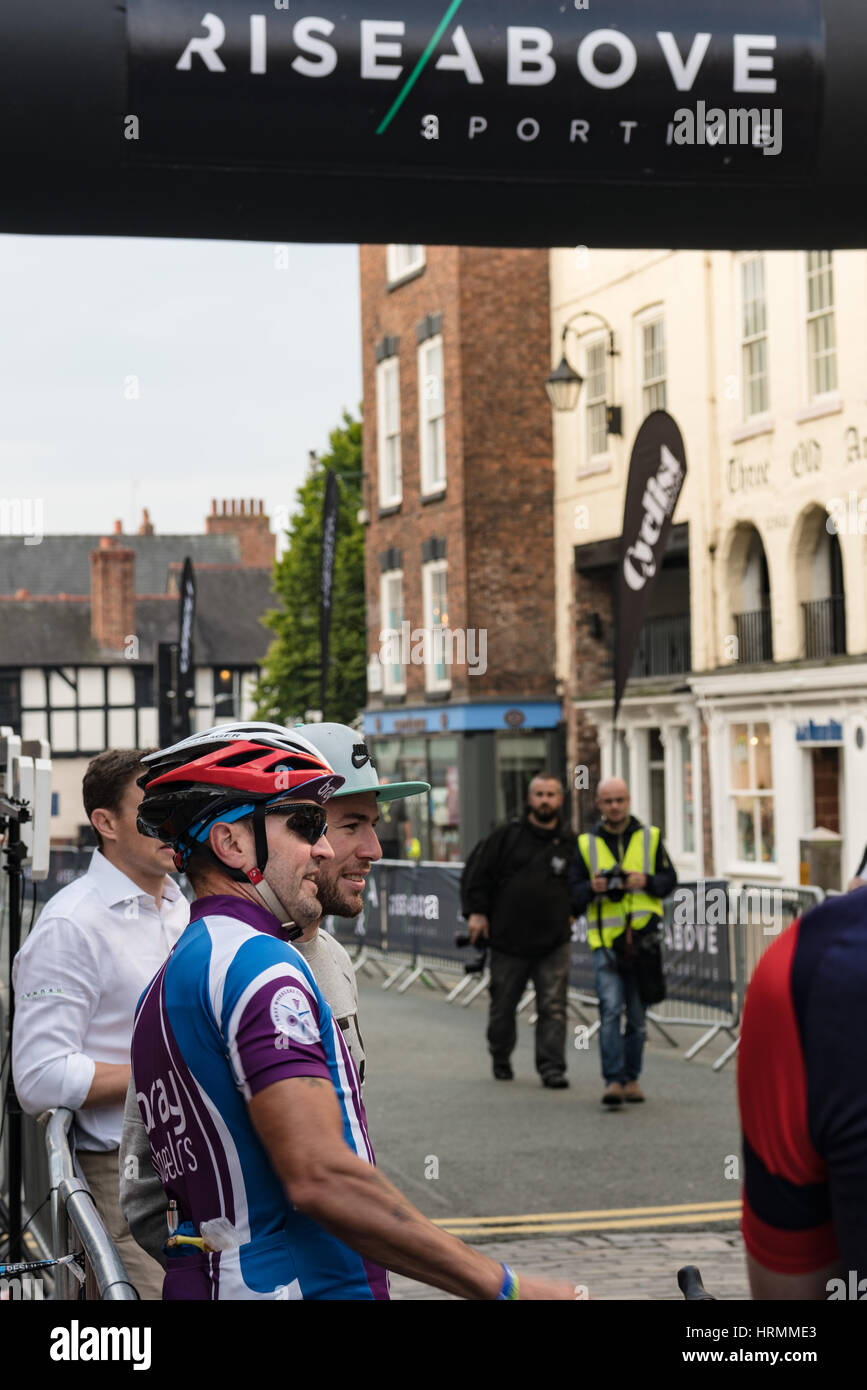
(78, 978)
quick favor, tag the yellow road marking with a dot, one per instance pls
(731, 1205)
(574, 1227)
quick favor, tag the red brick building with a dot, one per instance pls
(459, 544)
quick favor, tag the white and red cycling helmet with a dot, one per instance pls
(224, 774)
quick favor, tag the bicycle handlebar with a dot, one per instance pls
(689, 1280)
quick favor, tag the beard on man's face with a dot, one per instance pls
(334, 903)
(544, 813)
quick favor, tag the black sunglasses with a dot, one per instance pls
(310, 822)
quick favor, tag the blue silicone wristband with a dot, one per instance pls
(509, 1289)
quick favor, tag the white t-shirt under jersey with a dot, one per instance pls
(335, 976)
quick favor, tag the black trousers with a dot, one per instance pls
(509, 978)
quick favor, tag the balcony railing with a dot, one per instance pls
(663, 647)
(753, 631)
(825, 627)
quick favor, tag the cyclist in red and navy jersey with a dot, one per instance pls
(803, 1104)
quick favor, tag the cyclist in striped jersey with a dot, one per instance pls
(249, 1094)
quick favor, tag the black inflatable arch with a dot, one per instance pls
(705, 123)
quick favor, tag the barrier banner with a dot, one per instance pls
(696, 955)
(414, 910)
(411, 909)
(423, 909)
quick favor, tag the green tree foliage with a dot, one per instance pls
(290, 674)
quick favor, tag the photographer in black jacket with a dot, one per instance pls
(518, 899)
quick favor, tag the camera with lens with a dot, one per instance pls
(616, 878)
(472, 967)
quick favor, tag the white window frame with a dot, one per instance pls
(647, 384)
(750, 340)
(759, 865)
(430, 411)
(433, 681)
(590, 402)
(677, 840)
(389, 494)
(398, 265)
(813, 316)
(621, 755)
(391, 685)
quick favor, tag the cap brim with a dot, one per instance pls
(393, 791)
(387, 791)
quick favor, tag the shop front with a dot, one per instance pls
(657, 749)
(787, 769)
(478, 758)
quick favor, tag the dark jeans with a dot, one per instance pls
(509, 977)
(621, 1055)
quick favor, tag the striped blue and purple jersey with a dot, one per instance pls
(234, 1009)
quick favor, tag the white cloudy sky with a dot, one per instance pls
(242, 368)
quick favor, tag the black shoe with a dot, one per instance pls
(503, 1072)
(555, 1083)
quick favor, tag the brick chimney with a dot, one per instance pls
(147, 527)
(112, 594)
(246, 520)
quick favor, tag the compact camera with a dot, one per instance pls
(472, 967)
(616, 877)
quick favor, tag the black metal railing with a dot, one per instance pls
(825, 627)
(663, 647)
(753, 632)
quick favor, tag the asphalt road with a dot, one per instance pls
(515, 1149)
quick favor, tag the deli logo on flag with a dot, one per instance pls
(657, 469)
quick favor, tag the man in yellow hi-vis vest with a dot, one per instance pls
(618, 879)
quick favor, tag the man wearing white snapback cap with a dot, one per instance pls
(340, 880)
(352, 816)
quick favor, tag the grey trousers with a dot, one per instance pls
(103, 1179)
(509, 978)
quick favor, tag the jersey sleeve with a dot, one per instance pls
(786, 1223)
(829, 988)
(273, 1019)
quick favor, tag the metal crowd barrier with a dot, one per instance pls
(714, 936)
(761, 912)
(77, 1226)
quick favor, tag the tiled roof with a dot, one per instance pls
(61, 564)
(229, 605)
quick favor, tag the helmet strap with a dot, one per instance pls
(257, 876)
(260, 837)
